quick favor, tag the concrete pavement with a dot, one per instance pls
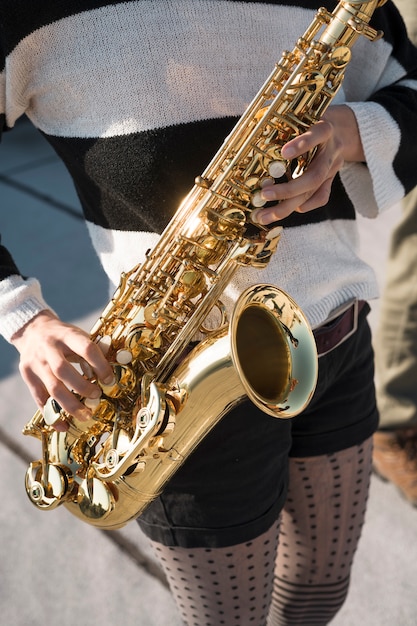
(57, 570)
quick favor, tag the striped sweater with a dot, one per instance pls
(137, 96)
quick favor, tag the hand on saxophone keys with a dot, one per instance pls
(49, 350)
(333, 141)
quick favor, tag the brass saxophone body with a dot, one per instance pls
(167, 395)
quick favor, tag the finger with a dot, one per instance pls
(301, 204)
(64, 371)
(70, 368)
(36, 387)
(42, 392)
(83, 348)
(319, 199)
(306, 184)
(68, 400)
(278, 211)
(317, 134)
(61, 392)
(309, 191)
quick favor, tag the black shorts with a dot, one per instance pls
(233, 487)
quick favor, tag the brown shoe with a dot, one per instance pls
(395, 460)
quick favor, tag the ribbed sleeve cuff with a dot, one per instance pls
(374, 187)
(20, 301)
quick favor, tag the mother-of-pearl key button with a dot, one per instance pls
(257, 199)
(277, 169)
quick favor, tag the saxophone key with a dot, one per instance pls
(210, 250)
(92, 403)
(124, 356)
(47, 485)
(143, 342)
(95, 499)
(104, 343)
(228, 222)
(124, 381)
(340, 57)
(277, 169)
(258, 200)
(52, 412)
(104, 412)
(112, 458)
(266, 182)
(151, 313)
(192, 283)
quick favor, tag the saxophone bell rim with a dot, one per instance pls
(279, 373)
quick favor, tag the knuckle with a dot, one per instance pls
(59, 368)
(322, 172)
(85, 387)
(90, 349)
(323, 195)
(54, 387)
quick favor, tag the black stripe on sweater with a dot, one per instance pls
(401, 103)
(114, 175)
(19, 18)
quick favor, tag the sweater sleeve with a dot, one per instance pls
(387, 122)
(20, 300)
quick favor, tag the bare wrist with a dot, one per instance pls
(346, 128)
(45, 313)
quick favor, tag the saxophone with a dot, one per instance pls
(168, 393)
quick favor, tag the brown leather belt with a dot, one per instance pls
(341, 325)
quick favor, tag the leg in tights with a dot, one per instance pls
(307, 577)
(320, 529)
(230, 586)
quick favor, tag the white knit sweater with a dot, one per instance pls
(136, 97)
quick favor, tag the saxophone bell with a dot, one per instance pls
(273, 351)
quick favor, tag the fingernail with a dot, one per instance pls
(254, 216)
(268, 218)
(288, 152)
(95, 393)
(109, 380)
(268, 194)
(258, 217)
(92, 403)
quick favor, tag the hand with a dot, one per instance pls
(337, 139)
(48, 348)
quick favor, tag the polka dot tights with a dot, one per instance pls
(297, 573)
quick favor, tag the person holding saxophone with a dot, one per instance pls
(261, 523)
